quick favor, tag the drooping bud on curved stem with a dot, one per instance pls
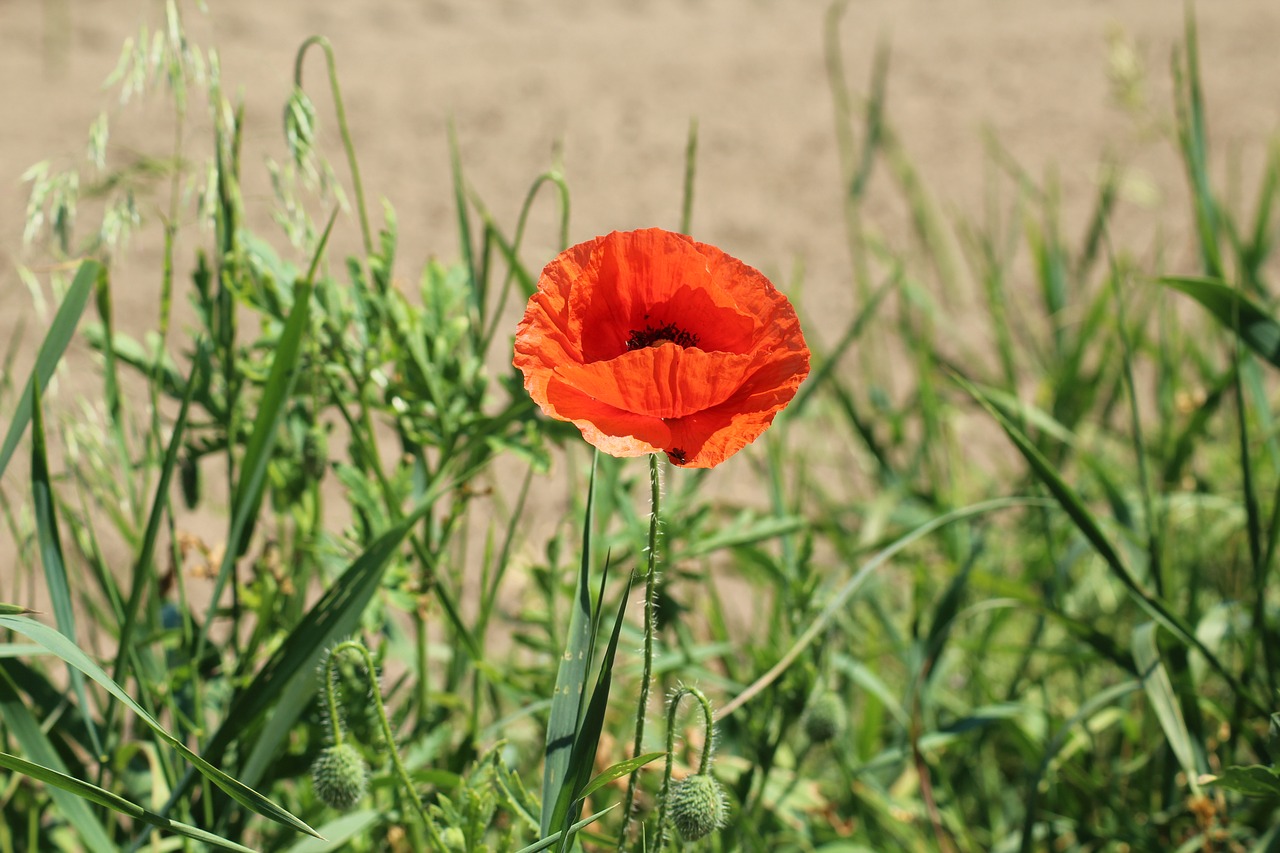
(402, 774)
(696, 804)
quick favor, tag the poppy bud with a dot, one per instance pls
(339, 776)
(825, 718)
(698, 806)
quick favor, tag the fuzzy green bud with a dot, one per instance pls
(453, 838)
(825, 718)
(339, 776)
(698, 806)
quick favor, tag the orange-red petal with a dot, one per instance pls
(740, 358)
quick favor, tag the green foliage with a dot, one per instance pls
(1004, 591)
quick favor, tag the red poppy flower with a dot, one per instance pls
(649, 341)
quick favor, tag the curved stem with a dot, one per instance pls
(704, 763)
(650, 604)
(401, 772)
(331, 700)
(555, 177)
(343, 128)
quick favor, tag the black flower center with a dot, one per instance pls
(651, 335)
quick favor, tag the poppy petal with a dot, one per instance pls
(649, 341)
(616, 432)
(666, 381)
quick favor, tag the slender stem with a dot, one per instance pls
(356, 184)
(690, 171)
(401, 773)
(704, 763)
(331, 701)
(650, 604)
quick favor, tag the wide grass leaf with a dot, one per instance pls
(64, 648)
(1159, 689)
(617, 771)
(55, 344)
(339, 832)
(1253, 781)
(103, 797)
(1250, 321)
(289, 676)
(571, 677)
(36, 744)
(587, 740)
(144, 565)
(55, 566)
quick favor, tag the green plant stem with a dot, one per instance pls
(331, 700)
(374, 688)
(690, 172)
(650, 604)
(356, 184)
(704, 762)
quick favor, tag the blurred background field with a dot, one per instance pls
(617, 84)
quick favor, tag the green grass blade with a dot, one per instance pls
(289, 676)
(1188, 439)
(276, 392)
(1159, 690)
(840, 597)
(828, 363)
(340, 832)
(587, 741)
(555, 836)
(1088, 526)
(690, 172)
(143, 566)
(64, 648)
(51, 350)
(50, 542)
(1193, 139)
(34, 743)
(617, 771)
(510, 251)
(1097, 703)
(103, 797)
(1250, 321)
(253, 468)
(462, 211)
(571, 677)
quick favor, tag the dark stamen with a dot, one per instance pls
(677, 456)
(650, 335)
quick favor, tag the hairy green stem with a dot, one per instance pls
(374, 688)
(650, 604)
(704, 763)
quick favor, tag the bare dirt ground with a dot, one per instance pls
(618, 83)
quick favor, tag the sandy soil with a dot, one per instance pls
(618, 83)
